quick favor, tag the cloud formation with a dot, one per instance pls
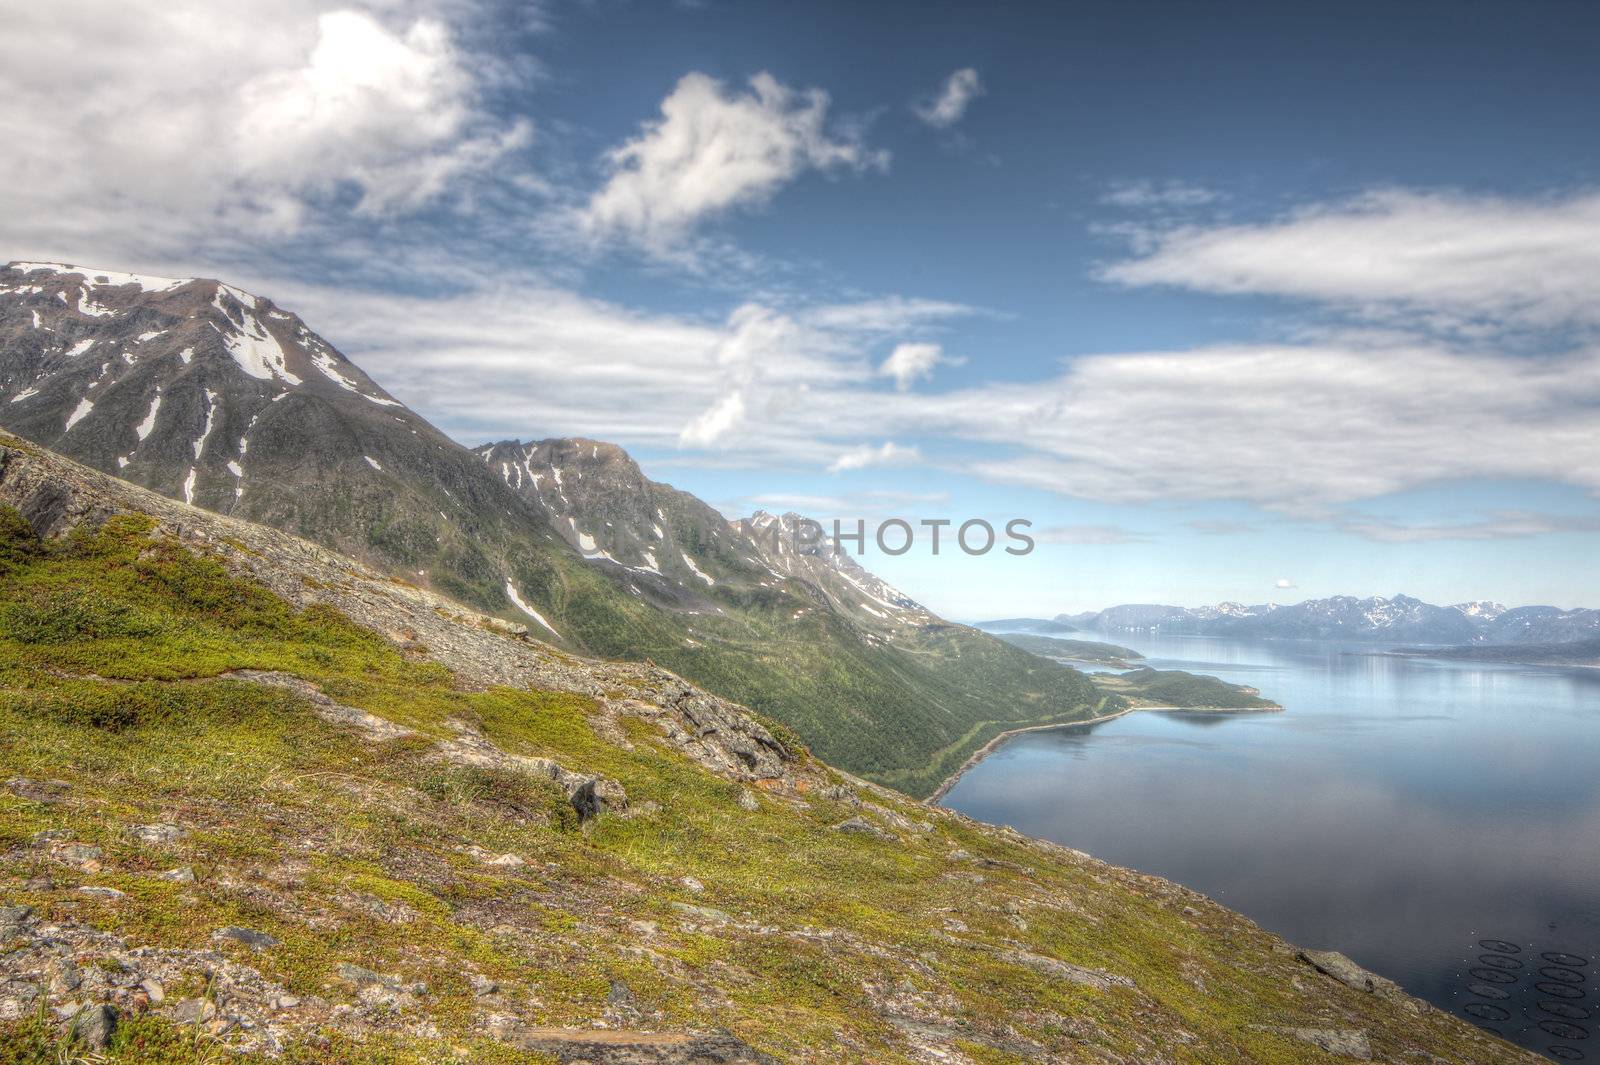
(1499, 525)
(912, 361)
(1474, 262)
(886, 454)
(191, 124)
(947, 107)
(1144, 194)
(716, 149)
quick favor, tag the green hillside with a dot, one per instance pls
(244, 829)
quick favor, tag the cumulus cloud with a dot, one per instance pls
(886, 454)
(1283, 583)
(947, 107)
(1457, 261)
(190, 123)
(910, 362)
(716, 149)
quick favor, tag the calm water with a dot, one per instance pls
(1399, 811)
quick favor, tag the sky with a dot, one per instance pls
(1236, 301)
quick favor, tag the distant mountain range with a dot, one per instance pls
(1400, 619)
(210, 394)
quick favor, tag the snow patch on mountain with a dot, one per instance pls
(144, 428)
(516, 600)
(79, 413)
(696, 570)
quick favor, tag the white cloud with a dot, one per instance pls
(188, 124)
(1304, 428)
(912, 361)
(714, 150)
(1500, 525)
(1283, 582)
(1293, 427)
(1454, 260)
(886, 454)
(888, 314)
(723, 416)
(947, 107)
(1144, 194)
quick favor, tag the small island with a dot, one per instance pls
(1174, 689)
(1090, 651)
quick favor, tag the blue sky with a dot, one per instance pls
(1233, 301)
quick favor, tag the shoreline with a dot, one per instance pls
(988, 748)
(1476, 660)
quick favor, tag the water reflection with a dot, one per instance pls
(1399, 810)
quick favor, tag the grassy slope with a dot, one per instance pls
(112, 655)
(904, 716)
(884, 712)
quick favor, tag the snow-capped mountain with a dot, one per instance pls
(669, 546)
(204, 392)
(795, 546)
(1400, 618)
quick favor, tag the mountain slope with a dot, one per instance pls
(206, 393)
(1343, 617)
(874, 681)
(263, 798)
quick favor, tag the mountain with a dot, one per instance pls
(265, 803)
(873, 680)
(1342, 617)
(206, 393)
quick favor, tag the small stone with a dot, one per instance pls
(692, 885)
(14, 915)
(481, 984)
(247, 936)
(64, 977)
(747, 801)
(360, 976)
(1343, 1042)
(160, 834)
(45, 791)
(1332, 963)
(704, 913)
(860, 826)
(507, 861)
(193, 1011)
(285, 1002)
(94, 1026)
(102, 892)
(154, 991)
(183, 874)
(83, 855)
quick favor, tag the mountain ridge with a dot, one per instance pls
(212, 395)
(1400, 618)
